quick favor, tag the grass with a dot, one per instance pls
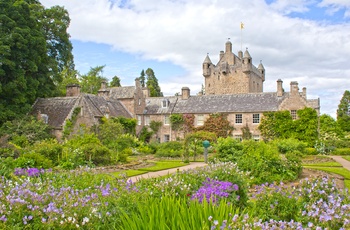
(346, 158)
(337, 170)
(324, 164)
(129, 172)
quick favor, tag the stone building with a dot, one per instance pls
(234, 86)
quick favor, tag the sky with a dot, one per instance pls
(296, 40)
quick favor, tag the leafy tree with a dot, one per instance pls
(142, 78)
(306, 126)
(91, 82)
(69, 77)
(276, 125)
(35, 48)
(109, 130)
(29, 129)
(343, 112)
(329, 128)
(152, 84)
(217, 123)
(115, 82)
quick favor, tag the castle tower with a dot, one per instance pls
(233, 74)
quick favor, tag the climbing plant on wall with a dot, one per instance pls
(217, 123)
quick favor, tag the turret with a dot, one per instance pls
(247, 62)
(206, 66)
(228, 47)
(262, 71)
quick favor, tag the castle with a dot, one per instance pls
(234, 86)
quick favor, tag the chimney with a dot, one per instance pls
(103, 85)
(72, 90)
(279, 88)
(294, 89)
(185, 93)
(304, 92)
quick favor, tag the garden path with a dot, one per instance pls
(167, 171)
(343, 162)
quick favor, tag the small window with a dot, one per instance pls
(139, 120)
(239, 119)
(256, 118)
(200, 120)
(293, 113)
(147, 120)
(166, 138)
(44, 118)
(165, 103)
(238, 137)
(166, 120)
(139, 101)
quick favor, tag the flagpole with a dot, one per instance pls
(242, 26)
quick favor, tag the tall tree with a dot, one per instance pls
(142, 78)
(34, 47)
(152, 84)
(91, 82)
(115, 82)
(343, 112)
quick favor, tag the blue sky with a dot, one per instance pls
(302, 40)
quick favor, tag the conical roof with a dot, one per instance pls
(207, 59)
(246, 54)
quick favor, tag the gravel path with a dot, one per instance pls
(343, 162)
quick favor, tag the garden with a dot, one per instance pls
(84, 181)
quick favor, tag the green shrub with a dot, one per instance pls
(341, 151)
(33, 160)
(145, 149)
(7, 165)
(50, 149)
(310, 151)
(228, 149)
(170, 149)
(290, 145)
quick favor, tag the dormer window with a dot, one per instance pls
(165, 103)
(44, 118)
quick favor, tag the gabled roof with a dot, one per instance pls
(57, 109)
(98, 106)
(253, 102)
(124, 92)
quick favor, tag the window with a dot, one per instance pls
(239, 119)
(166, 120)
(139, 120)
(147, 120)
(166, 138)
(200, 120)
(238, 137)
(293, 113)
(256, 137)
(165, 103)
(44, 118)
(256, 118)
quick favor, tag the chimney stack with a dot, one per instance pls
(185, 93)
(72, 90)
(279, 88)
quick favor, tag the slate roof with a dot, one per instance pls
(253, 102)
(97, 106)
(122, 92)
(154, 105)
(56, 108)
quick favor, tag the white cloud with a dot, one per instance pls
(182, 32)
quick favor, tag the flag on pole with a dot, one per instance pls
(242, 25)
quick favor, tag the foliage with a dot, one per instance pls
(279, 125)
(145, 135)
(70, 123)
(91, 82)
(341, 151)
(28, 128)
(262, 160)
(33, 56)
(129, 124)
(276, 125)
(142, 78)
(115, 82)
(246, 134)
(152, 84)
(290, 145)
(33, 160)
(170, 149)
(217, 123)
(109, 130)
(343, 112)
(49, 148)
(329, 128)
(155, 126)
(176, 121)
(194, 142)
(188, 124)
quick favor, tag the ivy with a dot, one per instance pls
(69, 126)
(176, 121)
(217, 123)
